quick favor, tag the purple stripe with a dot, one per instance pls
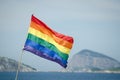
(44, 53)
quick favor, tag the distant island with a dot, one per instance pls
(10, 65)
(90, 61)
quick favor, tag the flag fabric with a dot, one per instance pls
(47, 43)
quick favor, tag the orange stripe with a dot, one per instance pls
(49, 33)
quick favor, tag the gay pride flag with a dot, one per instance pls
(47, 43)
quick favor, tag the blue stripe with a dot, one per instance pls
(44, 52)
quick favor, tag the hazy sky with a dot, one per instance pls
(94, 24)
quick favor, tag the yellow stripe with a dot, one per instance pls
(48, 39)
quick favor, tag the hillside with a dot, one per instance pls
(89, 61)
(10, 65)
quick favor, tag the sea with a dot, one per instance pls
(59, 76)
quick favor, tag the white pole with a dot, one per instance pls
(19, 64)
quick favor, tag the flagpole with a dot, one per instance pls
(19, 64)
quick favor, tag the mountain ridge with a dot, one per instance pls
(10, 65)
(94, 52)
(89, 61)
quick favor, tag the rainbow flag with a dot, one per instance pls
(47, 43)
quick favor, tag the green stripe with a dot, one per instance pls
(47, 45)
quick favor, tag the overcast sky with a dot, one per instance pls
(94, 24)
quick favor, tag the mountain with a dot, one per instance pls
(10, 65)
(89, 61)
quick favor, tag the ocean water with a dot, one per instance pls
(59, 76)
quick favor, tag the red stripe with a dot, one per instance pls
(64, 37)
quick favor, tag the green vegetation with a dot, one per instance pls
(95, 69)
(115, 69)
